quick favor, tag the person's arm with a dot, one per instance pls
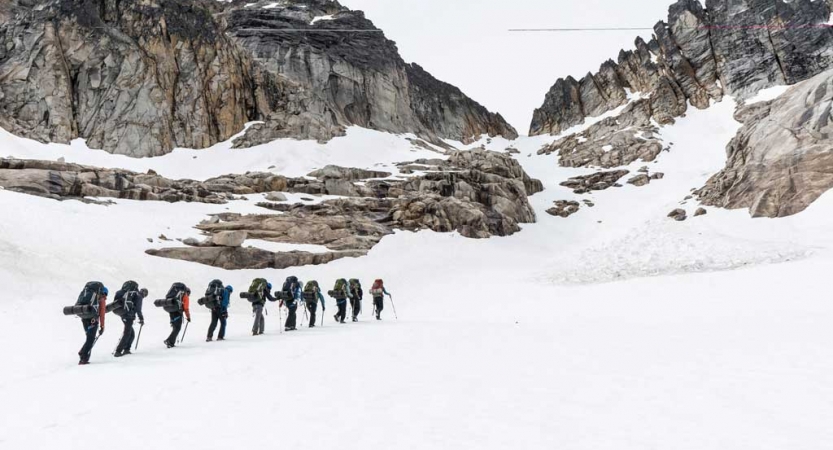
(137, 303)
(186, 303)
(102, 310)
(385, 291)
(268, 296)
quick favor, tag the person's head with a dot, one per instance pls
(143, 292)
(104, 291)
(269, 286)
(229, 289)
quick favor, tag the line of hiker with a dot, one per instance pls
(91, 307)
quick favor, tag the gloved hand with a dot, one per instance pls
(141, 322)
(188, 319)
(101, 331)
(224, 315)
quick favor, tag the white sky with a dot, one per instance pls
(465, 43)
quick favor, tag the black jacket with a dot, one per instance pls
(133, 310)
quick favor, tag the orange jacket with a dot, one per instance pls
(186, 303)
(102, 310)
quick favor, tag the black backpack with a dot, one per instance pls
(124, 303)
(289, 288)
(311, 291)
(176, 292)
(130, 286)
(214, 294)
(355, 288)
(89, 296)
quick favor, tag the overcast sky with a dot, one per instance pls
(466, 43)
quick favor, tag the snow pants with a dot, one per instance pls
(312, 307)
(342, 310)
(291, 318)
(260, 321)
(90, 327)
(176, 325)
(378, 305)
(356, 306)
(127, 336)
(217, 316)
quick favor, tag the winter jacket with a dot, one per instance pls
(226, 300)
(186, 304)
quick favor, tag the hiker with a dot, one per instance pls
(94, 298)
(290, 295)
(378, 292)
(128, 305)
(339, 293)
(355, 294)
(311, 295)
(217, 299)
(259, 292)
(180, 296)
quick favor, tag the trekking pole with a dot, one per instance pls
(394, 307)
(139, 336)
(184, 332)
(280, 319)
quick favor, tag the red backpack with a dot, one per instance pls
(378, 288)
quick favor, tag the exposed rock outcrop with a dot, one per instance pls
(140, 78)
(781, 159)
(237, 258)
(678, 214)
(698, 55)
(598, 181)
(564, 208)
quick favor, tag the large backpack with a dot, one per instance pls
(176, 292)
(311, 291)
(86, 306)
(339, 291)
(214, 294)
(289, 288)
(355, 288)
(124, 303)
(256, 289)
(378, 289)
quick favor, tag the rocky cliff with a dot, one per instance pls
(782, 158)
(698, 55)
(142, 77)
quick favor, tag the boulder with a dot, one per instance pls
(640, 180)
(564, 208)
(229, 238)
(678, 214)
(275, 197)
(700, 212)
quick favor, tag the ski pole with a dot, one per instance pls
(280, 319)
(184, 332)
(139, 336)
(394, 307)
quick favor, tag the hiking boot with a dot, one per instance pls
(118, 354)
(169, 344)
(355, 319)
(378, 318)
(126, 352)
(336, 317)
(221, 339)
(312, 325)
(209, 339)
(83, 363)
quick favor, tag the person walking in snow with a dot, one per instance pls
(355, 293)
(378, 292)
(340, 293)
(259, 291)
(290, 295)
(95, 296)
(220, 314)
(311, 295)
(183, 311)
(129, 301)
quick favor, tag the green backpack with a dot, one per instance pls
(311, 291)
(257, 287)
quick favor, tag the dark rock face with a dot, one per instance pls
(564, 208)
(699, 54)
(140, 78)
(598, 181)
(781, 159)
(237, 258)
(678, 214)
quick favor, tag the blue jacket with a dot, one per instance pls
(226, 300)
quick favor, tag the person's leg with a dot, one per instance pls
(291, 317)
(256, 327)
(311, 307)
(378, 305)
(215, 316)
(130, 339)
(90, 326)
(124, 342)
(176, 325)
(222, 334)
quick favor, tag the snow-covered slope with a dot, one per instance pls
(615, 328)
